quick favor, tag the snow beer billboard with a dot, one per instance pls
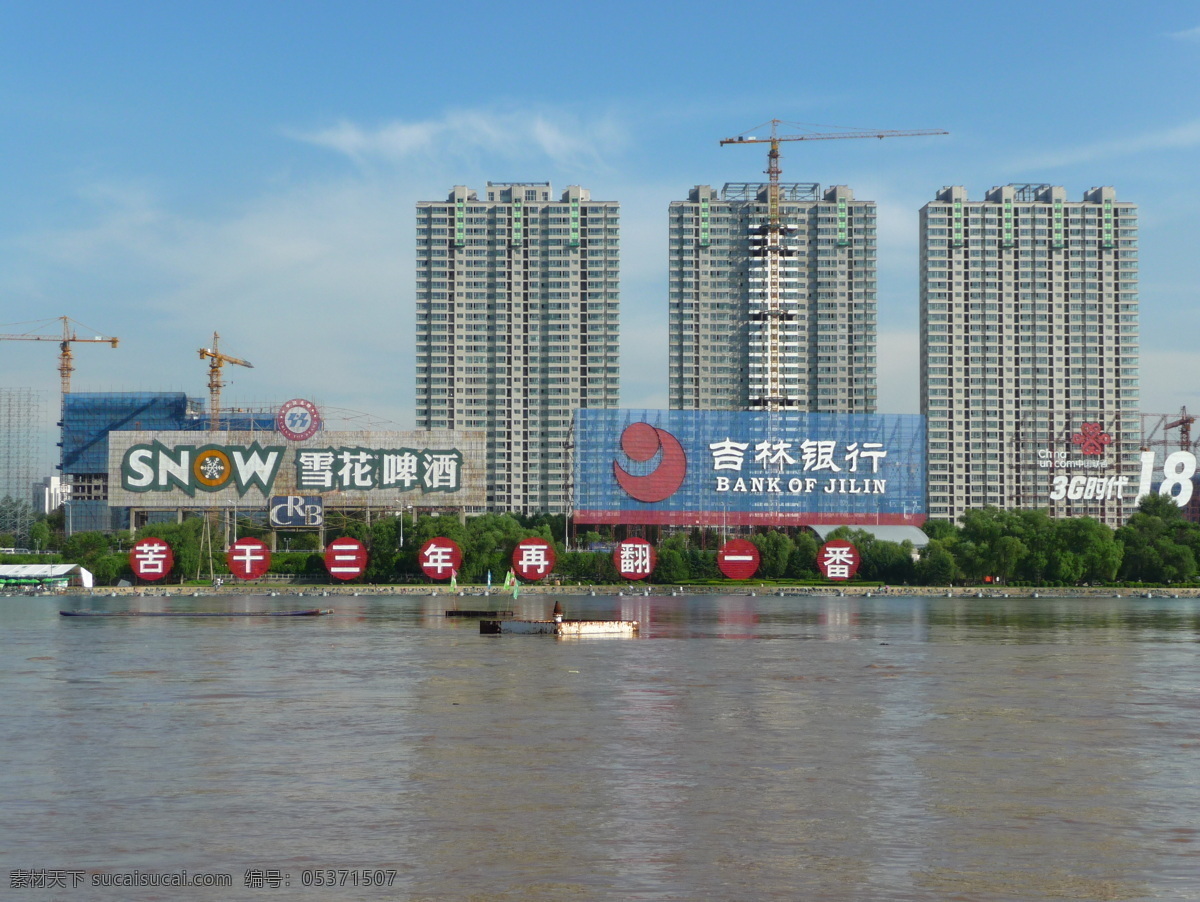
(341, 469)
(747, 468)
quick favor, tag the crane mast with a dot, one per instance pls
(777, 311)
(216, 361)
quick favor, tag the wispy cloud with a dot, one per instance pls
(565, 140)
(1188, 34)
(1181, 136)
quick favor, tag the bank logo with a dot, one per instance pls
(1091, 439)
(641, 442)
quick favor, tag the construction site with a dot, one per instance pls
(97, 429)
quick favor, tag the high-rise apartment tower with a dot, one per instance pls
(1029, 351)
(517, 327)
(767, 317)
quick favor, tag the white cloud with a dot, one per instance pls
(558, 137)
(312, 283)
(1182, 136)
(1188, 34)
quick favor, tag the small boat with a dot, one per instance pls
(311, 612)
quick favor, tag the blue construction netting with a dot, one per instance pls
(88, 418)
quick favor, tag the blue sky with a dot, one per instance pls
(173, 169)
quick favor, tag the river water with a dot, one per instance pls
(742, 748)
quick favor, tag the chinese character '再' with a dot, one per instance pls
(533, 557)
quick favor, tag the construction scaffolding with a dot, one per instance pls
(20, 423)
(1159, 435)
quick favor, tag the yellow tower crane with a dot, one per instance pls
(775, 313)
(216, 361)
(68, 337)
(774, 139)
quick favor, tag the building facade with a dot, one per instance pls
(517, 300)
(773, 312)
(1029, 351)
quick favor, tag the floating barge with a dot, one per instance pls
(311, 612)
(559, 627)
(570, 628)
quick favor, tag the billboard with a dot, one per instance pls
(748, 468)
(437, 468)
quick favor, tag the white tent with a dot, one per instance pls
(44, 574)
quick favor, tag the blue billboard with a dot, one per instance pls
(748, 468)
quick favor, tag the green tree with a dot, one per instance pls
(774, 549)
(1093, 544)
(672, 568)
(187, 540)
(39, 535)
(1157, 543)
(937, 565)
(802, 560)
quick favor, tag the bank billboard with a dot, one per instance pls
(438, 468)
(748, 468)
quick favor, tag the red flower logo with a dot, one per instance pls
(641, 442)
(1090, 439)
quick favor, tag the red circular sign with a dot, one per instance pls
(635, 558)
(838, 559)
(440, 558)
(345, 558)
(297, 420)
(151, 558)
(533, 559)
(738, 559)
(248, 558)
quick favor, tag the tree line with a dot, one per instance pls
(1157, 546)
